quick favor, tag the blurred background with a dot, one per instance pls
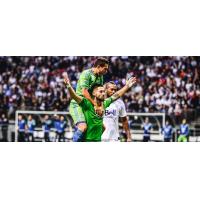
(167, 86)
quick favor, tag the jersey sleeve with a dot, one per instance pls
(84, 80)
(107, 102)
(85, 104)
(122, 111)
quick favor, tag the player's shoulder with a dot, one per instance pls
(85, 102)
(120, 102)
(86, 72)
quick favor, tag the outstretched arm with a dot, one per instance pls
(122, 91)
(73, 94)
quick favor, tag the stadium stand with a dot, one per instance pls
(166, 84)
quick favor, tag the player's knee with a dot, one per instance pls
(82, 127)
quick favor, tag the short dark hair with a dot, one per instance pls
(110, 82)
(95, 86)
(100, 62)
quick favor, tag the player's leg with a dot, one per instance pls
(26, 136)
(20, 136)
(146, 138)
(59, 137)
(63, 136)
(45, 137)
(185, 138)
(166, 139)
(180, 138)
(79, 120)
(78, 134)
(56, 138)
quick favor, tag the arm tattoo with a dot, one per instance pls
(115, 96)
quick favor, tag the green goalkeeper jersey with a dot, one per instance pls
(94, 122)
(87, 80)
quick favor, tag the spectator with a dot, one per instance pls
(167, 84)
(21, 129)
(167, 131)
(184, 132)
(30, 129)
(47, 123)
(4, 127)
(60, 136)
(147, 126)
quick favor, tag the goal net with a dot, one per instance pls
(136, 121)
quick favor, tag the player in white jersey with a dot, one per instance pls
(111, 117)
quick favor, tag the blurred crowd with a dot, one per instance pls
(165, 84)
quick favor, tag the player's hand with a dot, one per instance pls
(66, 79)
(129, 140)
(131, 82)
(99, 110)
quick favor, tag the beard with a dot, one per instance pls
(100, 98)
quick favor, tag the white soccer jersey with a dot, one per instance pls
(111, 120)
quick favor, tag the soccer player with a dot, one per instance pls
(61, 129)
(167, 131)
(111, 117)
(31, 128)
(95, 120)
(86, 82)
(21, 129)
(47, 127)
(184, 132)
(147, 130)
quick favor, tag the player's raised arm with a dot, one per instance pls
(122, 91)
(73, 94)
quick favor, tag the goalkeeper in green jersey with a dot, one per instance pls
(93, 119)
(86, 82)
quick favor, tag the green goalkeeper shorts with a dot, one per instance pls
(76, 112)
(182, 138)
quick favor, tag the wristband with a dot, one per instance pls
(68, 86)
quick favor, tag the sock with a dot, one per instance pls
(77, 135)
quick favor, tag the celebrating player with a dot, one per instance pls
(85, 85)
(94, 120)
(111, 117)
